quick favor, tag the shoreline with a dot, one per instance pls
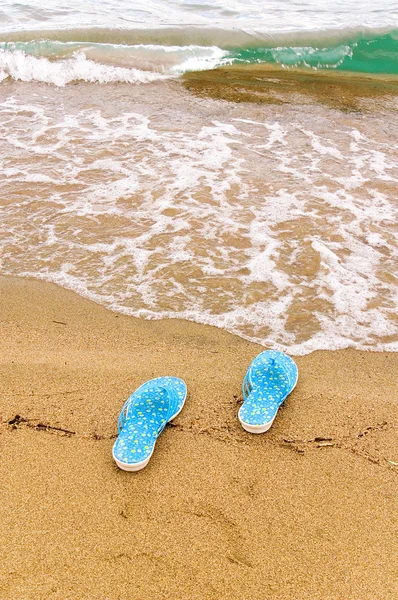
(303, 511)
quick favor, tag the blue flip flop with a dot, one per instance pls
(269, 380)
(143, 418)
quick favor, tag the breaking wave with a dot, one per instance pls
(107, 56)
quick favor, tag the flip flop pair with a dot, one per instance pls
(269, 380)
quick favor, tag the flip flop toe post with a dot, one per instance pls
(143, 418)
(269, 380)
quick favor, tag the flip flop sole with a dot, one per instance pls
(133, 466)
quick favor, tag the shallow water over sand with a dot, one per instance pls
(274, 219)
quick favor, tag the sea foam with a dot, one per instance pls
(23, 67)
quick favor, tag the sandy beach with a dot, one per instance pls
(184, 185)
(308, 510)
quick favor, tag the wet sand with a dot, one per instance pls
(275, 222)
(265, 84)
(308, 510)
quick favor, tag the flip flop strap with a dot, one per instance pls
(133, 400)
(289, 367)
(247, 386)
(169, 388)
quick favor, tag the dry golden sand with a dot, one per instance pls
(308, 510)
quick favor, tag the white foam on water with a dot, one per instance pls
(272, 227)
(23, 67)
(67, 62)
(201, 59)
